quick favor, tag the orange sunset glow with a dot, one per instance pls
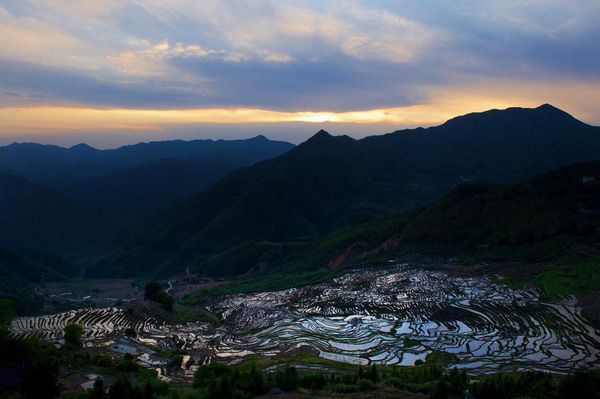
(71, 67)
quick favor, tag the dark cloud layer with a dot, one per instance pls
(40, 85)
(343, 84)
(324, 69)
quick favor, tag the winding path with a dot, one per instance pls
(170, 282)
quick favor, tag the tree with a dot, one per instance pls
(374, 374)
(73, 336)
(257, 380)
(440, 390)
(6, 317)
(148, 391)
(457, 382)
(166, 300)
(98, 390)
(151, 291)
(121, 389)
(41, 379)
(581, 384)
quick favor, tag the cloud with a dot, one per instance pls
(32, 39)
(474, 97)
(343, 84)
(34, 84)
(293, 56)
(207, 81)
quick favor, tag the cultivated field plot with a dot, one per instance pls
(389, 316)
(102, 292)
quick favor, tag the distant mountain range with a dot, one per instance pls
(132, 182)
(330, 182)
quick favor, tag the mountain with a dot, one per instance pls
(552, 220)
(22, 269)
(132, 193)
(330, 182)
(50, 164)
(134, 181)
(34, 216)
(554, 214)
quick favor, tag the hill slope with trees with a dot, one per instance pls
(34, 216)
(22, 270)
(330, 182)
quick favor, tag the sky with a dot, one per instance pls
(112, 72)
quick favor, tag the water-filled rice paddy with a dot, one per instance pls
(396, 315)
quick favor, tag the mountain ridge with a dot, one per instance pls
(329, 182)
(127, 180)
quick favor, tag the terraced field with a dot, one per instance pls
(400, 315)
(98, 324)
(389, 316)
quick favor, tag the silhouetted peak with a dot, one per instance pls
(260, 137)
(320, 137)
(321, 134)
(548, 107)
(323, 139)
(82, 147)
(543, 115)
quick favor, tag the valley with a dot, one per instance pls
(396, 314)
(296, 199)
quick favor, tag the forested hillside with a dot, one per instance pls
(330, 182)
